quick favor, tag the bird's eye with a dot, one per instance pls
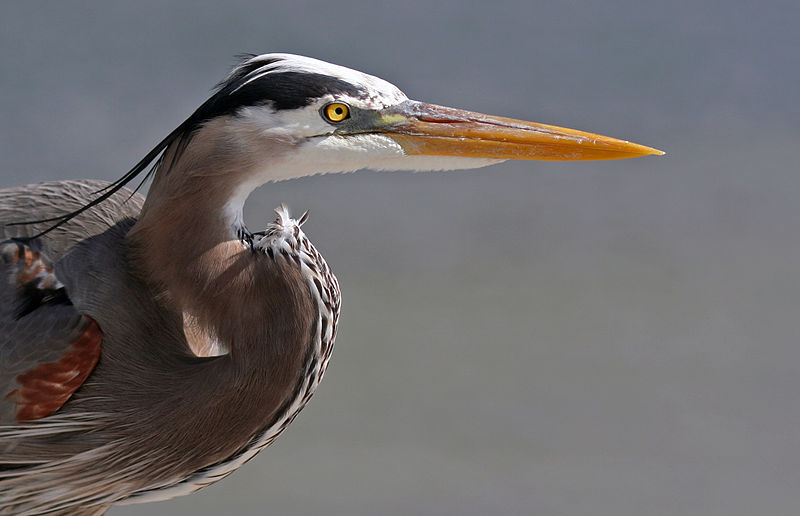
(336, 112)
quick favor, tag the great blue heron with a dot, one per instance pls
(149, 347)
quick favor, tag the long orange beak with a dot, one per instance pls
(442, 131)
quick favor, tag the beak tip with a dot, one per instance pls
(648, 151)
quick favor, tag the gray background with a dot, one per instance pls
(615, 338)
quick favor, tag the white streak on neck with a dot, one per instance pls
(233, 209)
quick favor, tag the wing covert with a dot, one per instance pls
(47, 348)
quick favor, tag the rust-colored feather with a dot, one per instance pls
(45, 388)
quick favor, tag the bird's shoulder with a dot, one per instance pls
(47, 348)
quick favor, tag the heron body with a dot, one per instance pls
(149, 347)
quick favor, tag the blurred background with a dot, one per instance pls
(610, 338)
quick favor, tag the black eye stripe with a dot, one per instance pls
(282, 90)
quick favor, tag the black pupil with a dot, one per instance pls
(339, 111)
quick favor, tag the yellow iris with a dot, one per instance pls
(336, 111)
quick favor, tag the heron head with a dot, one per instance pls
(316, 117)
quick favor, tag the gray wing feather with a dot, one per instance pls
(52, 199)
(38, 323)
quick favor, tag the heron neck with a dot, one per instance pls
(187, 241)
(258, 308)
